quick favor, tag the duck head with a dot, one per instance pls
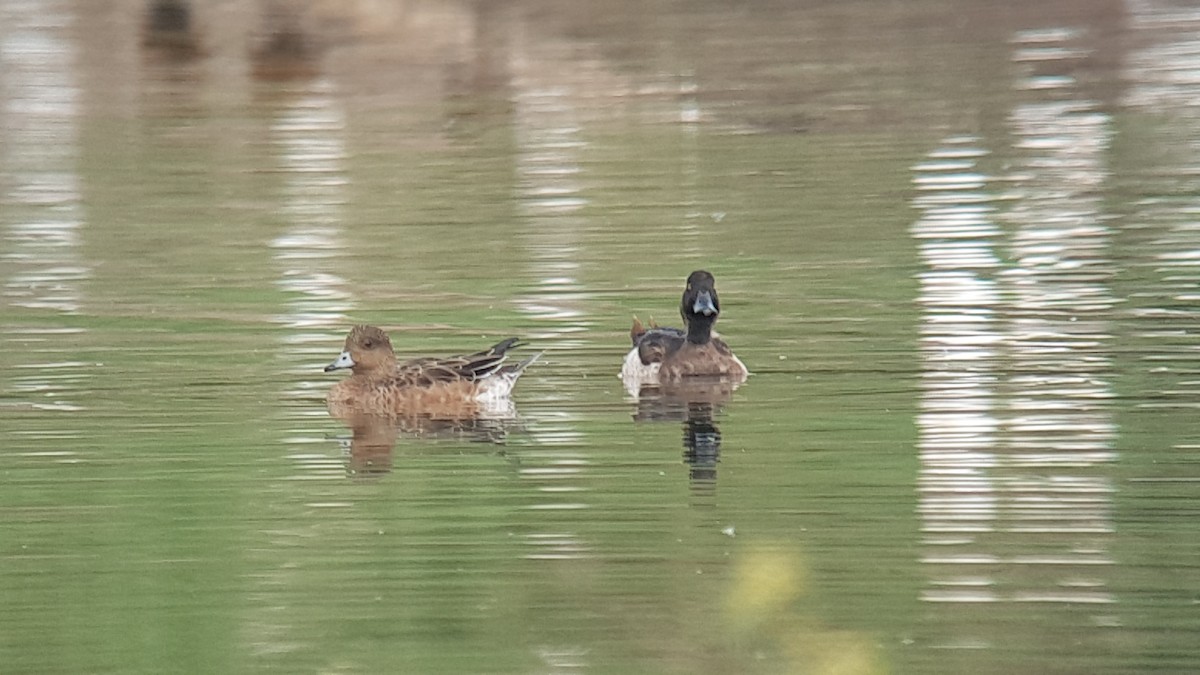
(367, 350)
(700, 306)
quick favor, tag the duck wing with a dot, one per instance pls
(429, 370)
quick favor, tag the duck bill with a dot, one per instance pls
(343, 361)
(704, 304)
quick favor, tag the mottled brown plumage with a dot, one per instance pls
(711, 359)
(454, 387)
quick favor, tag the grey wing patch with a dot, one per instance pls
(656, 343)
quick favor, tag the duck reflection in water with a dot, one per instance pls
(696, 405)
(686, 374)
(370, 448)
(464, 396)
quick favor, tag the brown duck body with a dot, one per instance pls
(713, 358)
(456, 387)
(456, 399)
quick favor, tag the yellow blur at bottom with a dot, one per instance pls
(765, 613)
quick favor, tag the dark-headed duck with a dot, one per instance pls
(664, 355)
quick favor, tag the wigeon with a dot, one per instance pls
(454, 387)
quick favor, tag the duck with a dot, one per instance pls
(454, 387)
(671, 355)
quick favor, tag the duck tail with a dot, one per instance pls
(514, 371)
(503, 346)
(637, 330)
(501, 383)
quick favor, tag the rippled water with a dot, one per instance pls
(957, 244)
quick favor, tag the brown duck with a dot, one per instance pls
(454, 387)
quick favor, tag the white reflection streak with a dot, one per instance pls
(1059, 421)
(546, 90)
(308, 135)
(39, 139)
(308, 139)
(1165, 85)
(1015, 416)
(547, 174)
(960, 344)
(547, 128)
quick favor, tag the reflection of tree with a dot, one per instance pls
(168, 31)
(285, 51)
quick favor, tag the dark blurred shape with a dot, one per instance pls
(167, 31)
(701, 443)
(696, 403)
(285, 57)
(286, 53)
(479, 86)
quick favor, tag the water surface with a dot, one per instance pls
(956, 244)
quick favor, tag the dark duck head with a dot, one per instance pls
(700, 306)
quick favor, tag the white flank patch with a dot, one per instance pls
(635, 374)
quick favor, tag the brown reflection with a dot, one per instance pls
(695, 403)
(173, 60)
(373, 438)
(286, 53)
(371, 441)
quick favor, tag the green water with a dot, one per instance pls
(955, 245)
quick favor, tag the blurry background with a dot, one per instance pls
(957, 243)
